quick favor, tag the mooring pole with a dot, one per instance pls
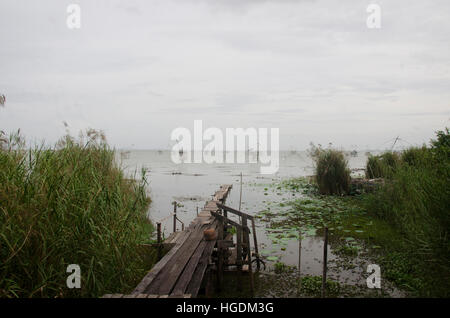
(158, 230)
(220, 254)
(174, 216)
(325, 254)
(255, 241)
(239, 256)
(299, 261)
(240, 194)
(249, 258)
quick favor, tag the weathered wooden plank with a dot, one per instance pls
(239, 256)
(169, 272)
(186, 276)
(197, 277)
(234, 211)
(165, 280)
(107, 296)
(173, 237)
(161, 264)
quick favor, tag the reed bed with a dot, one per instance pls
(69, 204)
(415, 199)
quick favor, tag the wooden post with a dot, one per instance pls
(239, 256)
(247, 250)
(325, 254)
(250, 269)
(244, 238)
(174, 216)
(158, 230)
(255, 242)
(220, 252)
(208, 286)
(240, 194)
(299, 261)
(257, 152)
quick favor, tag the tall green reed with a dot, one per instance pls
(69, 204)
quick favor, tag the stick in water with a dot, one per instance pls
(240, 195)
(325, 254)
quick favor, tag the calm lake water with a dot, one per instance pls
(191, 185)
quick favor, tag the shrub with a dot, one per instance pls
(69, 204)
(332, 172)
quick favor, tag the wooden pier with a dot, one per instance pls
(194, 255)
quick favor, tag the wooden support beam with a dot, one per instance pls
(239, 256)
(220, 254)
(159, 239)
(325, 255)
(234, 211)
(174, 216)
(226, 220)
(255, 243)
(250, 269)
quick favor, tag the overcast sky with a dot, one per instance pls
(139, 69)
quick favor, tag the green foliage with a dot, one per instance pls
(69, 204)
(416, 200)
(312, 286)
(382, 166)
(415, 156)
(231, 230)
(332, 172)
(280, 267)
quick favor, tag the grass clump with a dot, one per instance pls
(382, 166)
(416, 156)
(332, 172)
(69, 204)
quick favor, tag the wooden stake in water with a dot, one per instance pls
(325, 254)
(174, 216)
(257, 152)
(299, 260)
(240, 194)
(255, 241)
(159, 239)
(158, 230)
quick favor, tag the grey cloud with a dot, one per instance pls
(141, 68)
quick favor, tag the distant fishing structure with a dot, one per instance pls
(181, 151)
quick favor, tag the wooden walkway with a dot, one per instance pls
(180, 272)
